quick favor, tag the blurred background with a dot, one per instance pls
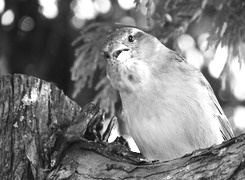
(36, 39)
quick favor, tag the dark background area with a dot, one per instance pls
(43, 51)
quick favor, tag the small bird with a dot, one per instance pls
(171, 108)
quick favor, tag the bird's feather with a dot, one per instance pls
(225, 127)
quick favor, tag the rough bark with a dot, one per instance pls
(45, 135)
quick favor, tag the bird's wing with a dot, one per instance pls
(225, 126)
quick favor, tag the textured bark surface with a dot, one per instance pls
(45, 135)
(222, 162)
(30, 110)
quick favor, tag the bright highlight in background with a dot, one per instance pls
(88, 10)
(239, 117)
(188, 46)
(84, 9)
(49, 8)
(7, 18)
(194, 57)
(77, 23)
(26, 23)
(185, 42)
(237, 81)
(126, 4)
(2, 5)
(102, 6)
(216, 66)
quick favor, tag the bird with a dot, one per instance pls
(170, 107)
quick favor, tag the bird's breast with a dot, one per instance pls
(167, 123)
(128, 75)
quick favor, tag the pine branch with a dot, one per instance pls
(172, 18)
(88, 57)
(88, 61)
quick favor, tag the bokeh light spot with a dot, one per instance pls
(188, 46)
(239, 117)
(202, 41)
(237, 81)
(49, 8)
(7, 18)
(2, 5)
(194, 57)
(84, 9)
(185, 42)
(216, 65)
(26, 23)
(126, 4)
(77, 23)
(102, 6)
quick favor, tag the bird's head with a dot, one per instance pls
(130, 53)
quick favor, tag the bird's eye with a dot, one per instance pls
(130, 38)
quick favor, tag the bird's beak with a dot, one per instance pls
(118, 49)
(114, 51)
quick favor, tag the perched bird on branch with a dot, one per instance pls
(171, 109)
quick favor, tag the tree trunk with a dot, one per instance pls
(45, 135)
